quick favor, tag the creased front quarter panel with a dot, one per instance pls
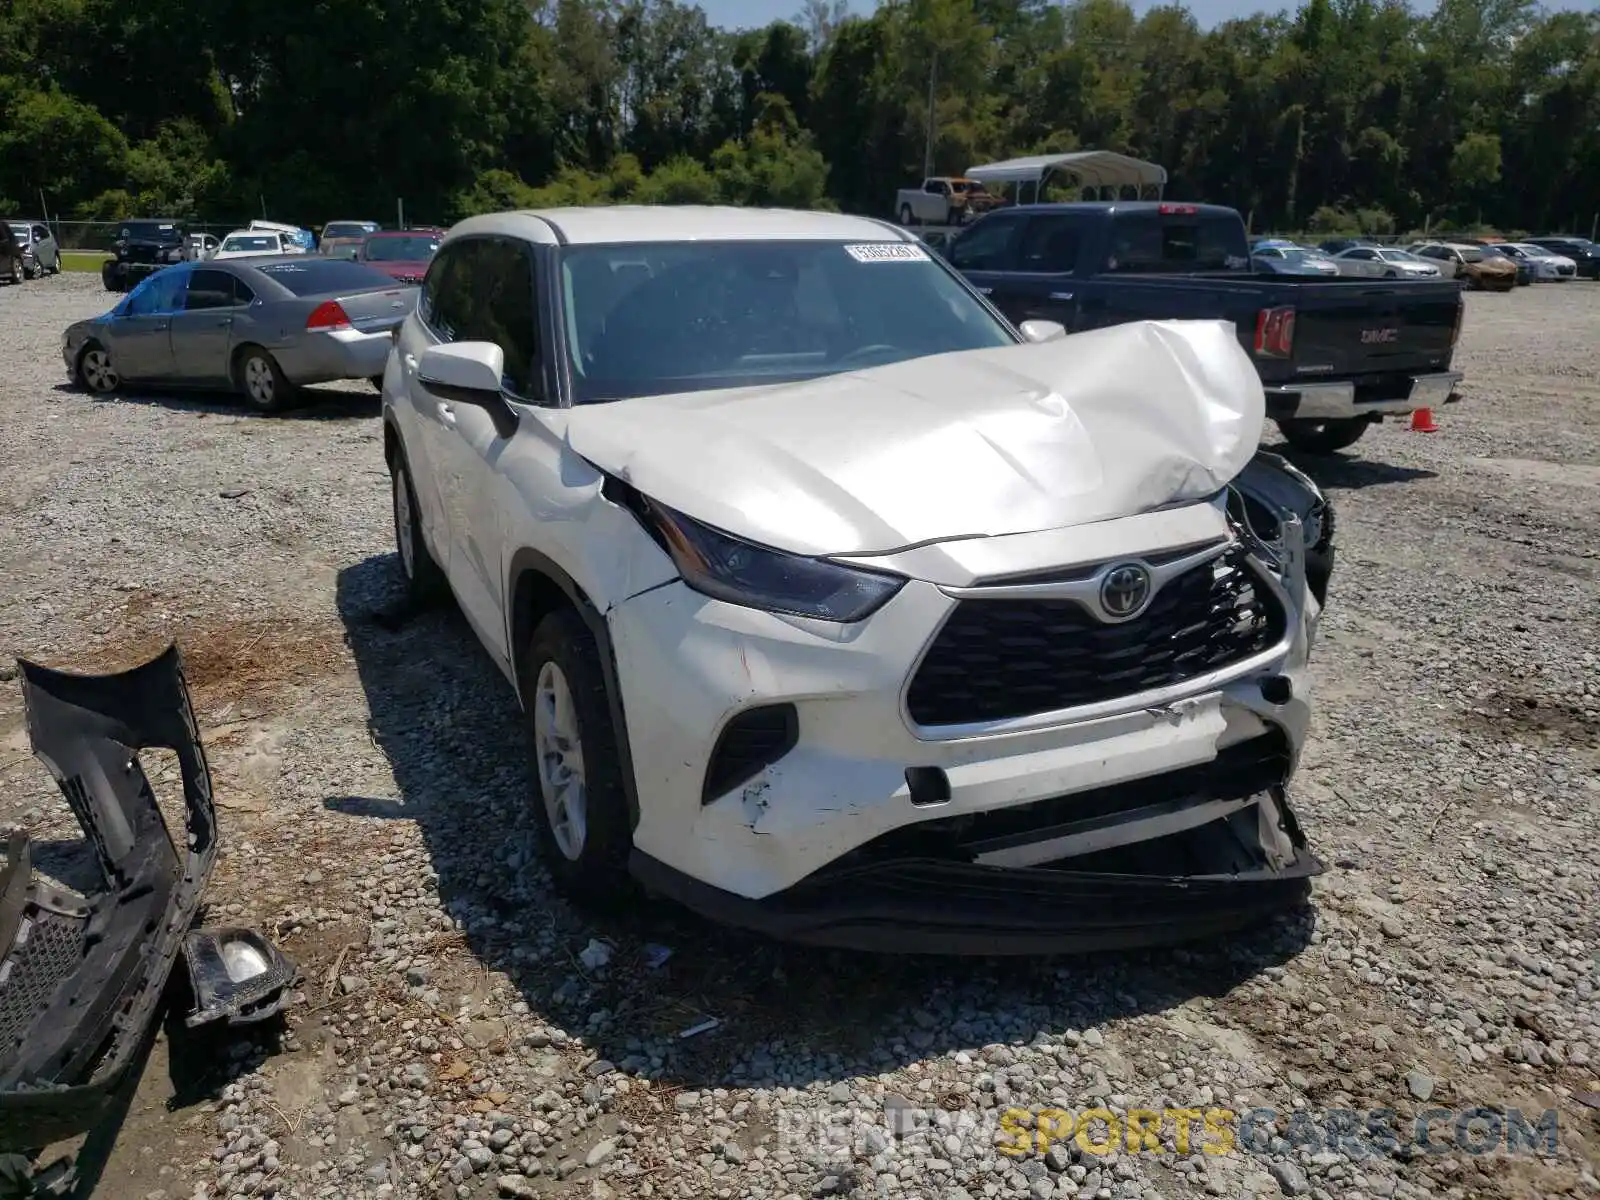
(554, 506)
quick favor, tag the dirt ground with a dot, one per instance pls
(449, 1038)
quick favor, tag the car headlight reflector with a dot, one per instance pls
(729, 568)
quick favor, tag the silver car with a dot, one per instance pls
(260, 326)
(40, 253)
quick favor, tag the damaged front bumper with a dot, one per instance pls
(1187, 855)
(82, 974)
(1157, 817)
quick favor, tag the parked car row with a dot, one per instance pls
(28, 250)
(261, 325)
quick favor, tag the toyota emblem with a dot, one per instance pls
(1125, 591)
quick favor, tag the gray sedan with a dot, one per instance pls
(259, 326)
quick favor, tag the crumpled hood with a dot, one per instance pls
(1086, 428)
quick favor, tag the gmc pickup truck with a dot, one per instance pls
(1334, 355)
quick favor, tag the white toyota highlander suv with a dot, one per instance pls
(839, 608)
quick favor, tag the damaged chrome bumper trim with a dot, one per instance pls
(1310, 400)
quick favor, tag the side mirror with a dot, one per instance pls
(469, 373)
(1042, 331)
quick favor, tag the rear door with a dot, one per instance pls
(427, 425)
(202, 330)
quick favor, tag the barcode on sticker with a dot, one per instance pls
(886, 252)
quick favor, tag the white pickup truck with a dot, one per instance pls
(943, 200)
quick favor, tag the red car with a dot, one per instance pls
(402, 254)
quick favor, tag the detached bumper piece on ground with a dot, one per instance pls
(82, 976)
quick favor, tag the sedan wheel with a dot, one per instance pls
(265, 389)
(96, 372)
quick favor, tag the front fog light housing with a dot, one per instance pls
(236, 975)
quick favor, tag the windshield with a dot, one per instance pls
(657, 318)
(1471, 255)
(255, 241)
(348, 229)
(151, 231)
(399, 249)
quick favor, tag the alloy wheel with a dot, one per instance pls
(403, 534)
(259, 382)
(559, 750)
(97, 370)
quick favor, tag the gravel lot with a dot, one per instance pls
(453, 1040)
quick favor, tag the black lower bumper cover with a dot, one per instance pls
(82, 974)
(934, 906)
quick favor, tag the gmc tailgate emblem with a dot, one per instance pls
(1377, 337)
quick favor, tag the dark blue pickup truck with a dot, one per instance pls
(1334, 354)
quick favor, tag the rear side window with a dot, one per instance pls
(984, 247)
(209, 289)
(1050, 245)
(315, 277)
(1152, 243)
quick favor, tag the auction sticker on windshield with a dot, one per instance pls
(887, 252)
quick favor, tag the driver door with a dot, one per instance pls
(141, 333)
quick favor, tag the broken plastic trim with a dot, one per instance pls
(81, 976)
(237, 975)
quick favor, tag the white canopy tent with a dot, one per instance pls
(1102, 174)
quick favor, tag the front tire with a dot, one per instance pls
(426, 585)
(580, 802)
(261, 382)
(1323, 437)
(96, 372)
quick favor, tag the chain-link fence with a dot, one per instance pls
(99, 235)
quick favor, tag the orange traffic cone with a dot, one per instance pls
(1422, 421)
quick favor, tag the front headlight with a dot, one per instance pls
(728, 568)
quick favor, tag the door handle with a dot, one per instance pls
(409, 361)
(447, 414)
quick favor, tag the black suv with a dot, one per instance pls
(142, 248)
(1582, 251)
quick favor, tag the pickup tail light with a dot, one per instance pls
(1173, 210)
(327, 317)
(1275, 332)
